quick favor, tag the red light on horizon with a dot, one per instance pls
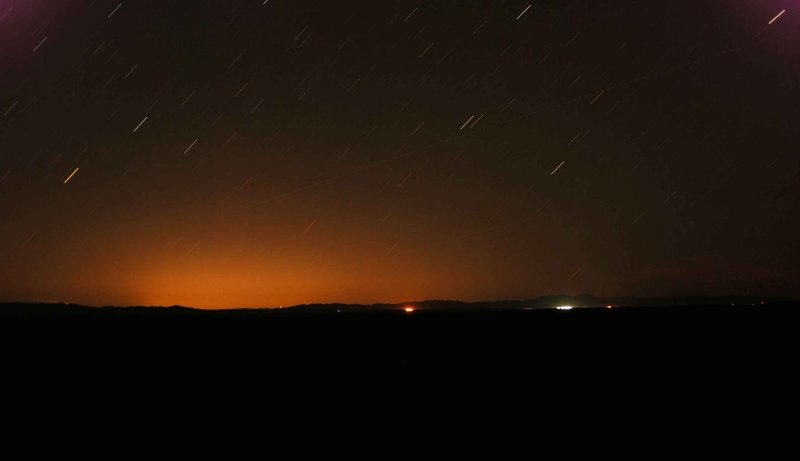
(408, 309)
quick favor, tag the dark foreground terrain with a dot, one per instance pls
(734, 356)
(442, 334)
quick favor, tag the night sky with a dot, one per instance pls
(243, 153)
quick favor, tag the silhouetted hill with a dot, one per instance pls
(76, 310)
(439, 335)
(587, 300)
(542, 302)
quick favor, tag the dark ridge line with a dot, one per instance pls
(549, 302)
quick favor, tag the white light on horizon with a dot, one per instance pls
(564, 308)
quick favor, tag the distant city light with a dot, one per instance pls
(408, 309)
(564, 308)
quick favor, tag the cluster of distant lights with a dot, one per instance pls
(410, 309)
(569, 308)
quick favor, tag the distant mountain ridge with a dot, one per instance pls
(542, 302)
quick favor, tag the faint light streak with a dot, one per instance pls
(71, 175)
(417, 129)
(476, 121)
(241, 89)
(465, 123)
(670, 196)
(575, 274)
(303, 95)
(597, 97)
(219, 116)
(575, 81)
(525, 10)
(776, 17)
(405, 179)
(613, 108)
(115, 10)
(11, 108)
(304, 41)
(309, 227)
(230, 139)
(559, 166)
(353, 85)
(140, 124)
(99, 47)
(245, 183)
(40, 44)
(426, 50)
(6, 13)
(301, 33)
(28, 240)
(541, 208)
(191, 145)
(188, 97)
(235, 60)
(571, 40)
(109, 81)
(197, 165)
(296, 87)
(112, 56)
(130, 72)
(411, 14)
(344, 43)
(479, 27)
(194, 247)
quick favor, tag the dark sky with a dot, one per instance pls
(250, 153)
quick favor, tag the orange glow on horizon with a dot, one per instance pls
(408, 309)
